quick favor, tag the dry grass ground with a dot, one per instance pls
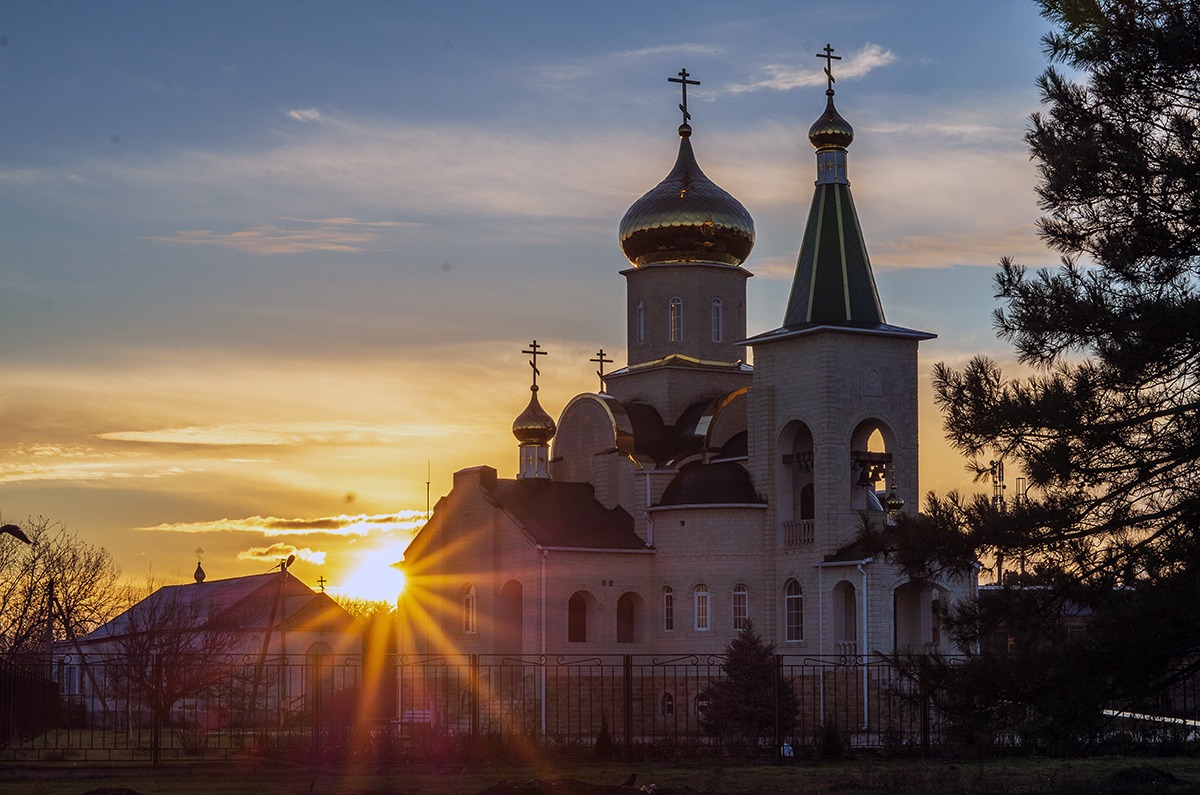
(1162, 776)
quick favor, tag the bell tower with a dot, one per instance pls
(834, 399)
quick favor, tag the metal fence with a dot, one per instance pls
(28, 703)
(399, 708)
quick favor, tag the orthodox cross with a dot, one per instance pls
(534, 352)
(321, 582)
(602, 361)
(829, 59)
(683, 82)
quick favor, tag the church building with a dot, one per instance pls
(695, 492)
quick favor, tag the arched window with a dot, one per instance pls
(741, 606)
(793, 611)
(700, 600)
(668, 704)
(577, 619)
(470, 606)
(676, 319)
(668, 609)
(639, 322)
(718, 320)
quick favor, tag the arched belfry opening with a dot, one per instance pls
(870, 476)
(795, 485)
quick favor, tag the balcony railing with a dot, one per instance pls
(799, 533)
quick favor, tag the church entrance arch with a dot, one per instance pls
(630, 618)
(581, 609)
(917, 612)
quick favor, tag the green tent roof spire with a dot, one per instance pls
(833, 284)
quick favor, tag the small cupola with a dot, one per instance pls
(534, 428)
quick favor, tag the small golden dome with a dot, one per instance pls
(533, 425)
(687, 218)
(830, 131)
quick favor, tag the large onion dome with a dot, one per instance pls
(533, 425)
(687, 218)
(830, 131)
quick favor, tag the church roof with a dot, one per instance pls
(724, 483)
(565, 515)
(238, 603)
(833, 281)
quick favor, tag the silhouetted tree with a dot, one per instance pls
(83, 578)
(168, 647)
(1107, 427)
(744, 704)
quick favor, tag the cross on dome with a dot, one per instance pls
(829, 57)
(534, 353)
(683, 82)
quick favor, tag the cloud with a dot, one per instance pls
(329, 234)
(81, 463)
(784, 77)
(974, 247)
(280, 551)
(276, 434)
(304, 114)
(672, 49)
(404, 522)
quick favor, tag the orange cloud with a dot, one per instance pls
(280, 551)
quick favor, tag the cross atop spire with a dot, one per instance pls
(829, 57)
(683, 82)
(601, 361)
(534, 352)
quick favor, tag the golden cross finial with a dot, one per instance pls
(321, 582)
(683, 82)
(534, 352)
(602, 361)
(829, 57)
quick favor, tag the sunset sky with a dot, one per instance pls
(265, 265)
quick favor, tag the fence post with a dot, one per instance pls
(156, 700)
(778, 707)
(924, 687)
(627, 701)
(474, 684)
(315, 691)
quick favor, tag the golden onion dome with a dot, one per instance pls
(533, 425)
(830, 131)
(687, 218)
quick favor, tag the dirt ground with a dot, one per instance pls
(1160, 776)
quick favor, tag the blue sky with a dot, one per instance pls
(264, 265)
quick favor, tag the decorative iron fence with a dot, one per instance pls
(460, 708)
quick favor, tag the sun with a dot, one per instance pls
(375, 577)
